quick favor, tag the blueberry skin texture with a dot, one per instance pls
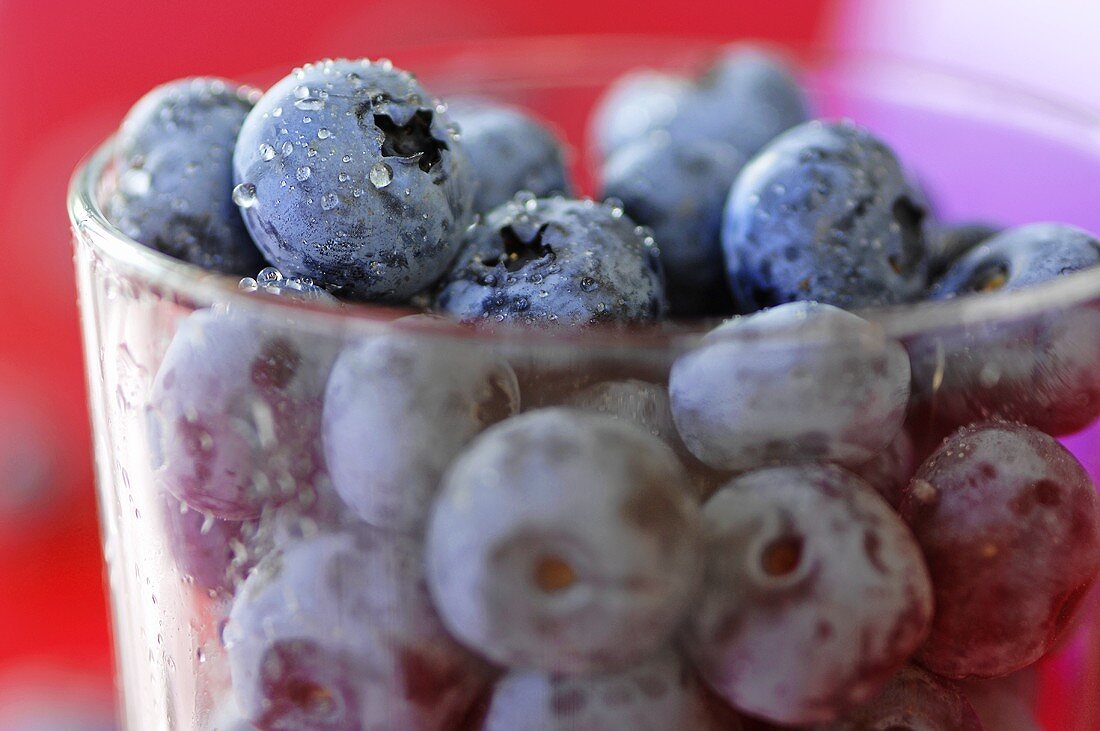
(564, 542)
(174, 157)
(1009, 523)
(1019, 258)
(336, 632)
(679, 190)
(914, 699)
(398, 410)
(802, 382)
(234, 421)
(593, 264)
(746, 98)
(825, 213)
(815, 594)
(323, 163)
(658, 694)
(509, 150)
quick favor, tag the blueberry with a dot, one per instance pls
(801, 382)
(635, 105)
(564, 542)
(679, 190)
(509, 151)
(815, 593)
(890, 470)
(914, 699)
(1038, 368)
(646, 405)
(235, 412)
(746, 98)
(825, 213)
(949, 243)
(349, 174)
(398, 410)
(554, 261)
(1018, 258)
(1005, 704)
(658, 694)
(209, 551)
(174, 156)
(272, 282)
(1009, 523)
(336, 633)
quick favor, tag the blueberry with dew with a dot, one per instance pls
(554, 262)
(815, 594)
(679, 190)
(1009, 523)
(801, 382)
(1038, 368)
(173, 157)
(234, 420)
(348, 173)
(747, 97)
(658, 694)
(336, 632)
(509, 151)
(913, 699)
(564, 542)
(398, 409)
(826, 213)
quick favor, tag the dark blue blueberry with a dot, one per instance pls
(1036, 368)
(659, 694)
(914, 699)
(348, 173)
(271, 281)
(679, 190)
(802, 382)
(173, 157)
(564, 542)
(235, 412)
(815, 593)
(746, 98)
(1009, 523)
(825, 213)
(949, 242)
(1018, 258)
(336, 632)
(398, 410)
(509, 151)
(555, 261)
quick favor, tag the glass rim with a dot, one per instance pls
(191, 282)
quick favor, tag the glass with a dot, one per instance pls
(983, 152)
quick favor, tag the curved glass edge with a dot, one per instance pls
(1035, 112)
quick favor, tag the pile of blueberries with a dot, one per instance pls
(800, 523)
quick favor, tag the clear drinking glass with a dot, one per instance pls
(982, 151)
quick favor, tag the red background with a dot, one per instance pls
(72, 69)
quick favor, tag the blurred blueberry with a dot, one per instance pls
(746, 98)
(815, 594)
(336, 633)
(509, 150)
(398, 410)
(348, 173)
(1008, 703)
(658, 694)
(235, 411)
(890, 470)
(564, 542)
(949, 242)
(208, 551)
(801, 382)
(825, 213)
(914, 699)
(554, 261)
(174, 158)
(679, 190)
(1018, 258)
(1009, 523)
